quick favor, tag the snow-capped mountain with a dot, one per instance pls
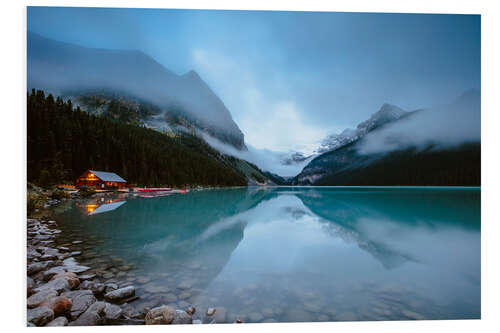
(293, 157)
(386, 114)
(439, 146)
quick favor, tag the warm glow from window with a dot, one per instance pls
(91, 208)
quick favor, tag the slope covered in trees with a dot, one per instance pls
(63, 142)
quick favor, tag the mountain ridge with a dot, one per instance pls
(59, 67)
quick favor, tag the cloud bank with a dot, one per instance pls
(441, 126)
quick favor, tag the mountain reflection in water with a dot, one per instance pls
(294, 254)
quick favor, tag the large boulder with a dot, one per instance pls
(160, 316)
(39, 297)
(38, 267)
(40, 316)
(120, 294)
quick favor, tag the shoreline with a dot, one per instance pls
(61, 292)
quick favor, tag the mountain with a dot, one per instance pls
(89, 74)
(439, 146)
(62, 142)
(386, 114)
(293, 157)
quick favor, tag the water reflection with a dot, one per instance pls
(294, 254)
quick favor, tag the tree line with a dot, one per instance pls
(63, 142)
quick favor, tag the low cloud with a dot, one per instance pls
(265, 159)
(442, 126)
(269, 119)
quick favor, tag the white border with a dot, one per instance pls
(13, 20)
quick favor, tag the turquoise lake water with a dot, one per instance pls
(289, 254)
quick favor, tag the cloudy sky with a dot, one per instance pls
(291, 78)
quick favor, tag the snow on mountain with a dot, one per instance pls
(386, 114)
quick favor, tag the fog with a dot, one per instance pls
(442, 126)
(265, 159)
(62, 67)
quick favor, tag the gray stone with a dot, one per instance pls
(81, 302)
(109, 287)
(37, 267)
(120, 294)
(181, 317)
(48, 274)
(160, 315)
(36, 299)
(112, 312)
(97, 288)
(40, 316)
(59, 321)
(94, 315)
(30, 284)
(59, 285)
(86, 277)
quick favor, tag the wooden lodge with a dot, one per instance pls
(100, 180)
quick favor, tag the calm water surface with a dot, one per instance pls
(289, 254)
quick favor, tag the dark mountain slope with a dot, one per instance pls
(63, 142)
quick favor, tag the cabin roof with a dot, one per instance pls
(108, 176)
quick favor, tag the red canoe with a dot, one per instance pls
(158, 189)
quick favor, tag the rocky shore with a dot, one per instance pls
(62, 292)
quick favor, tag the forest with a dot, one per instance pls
(64, 141)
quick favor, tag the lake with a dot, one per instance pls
(289, 254)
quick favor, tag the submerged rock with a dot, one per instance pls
(191, 310)
(160, 315)
(220, 315)
(182, 317)
(119, 294)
